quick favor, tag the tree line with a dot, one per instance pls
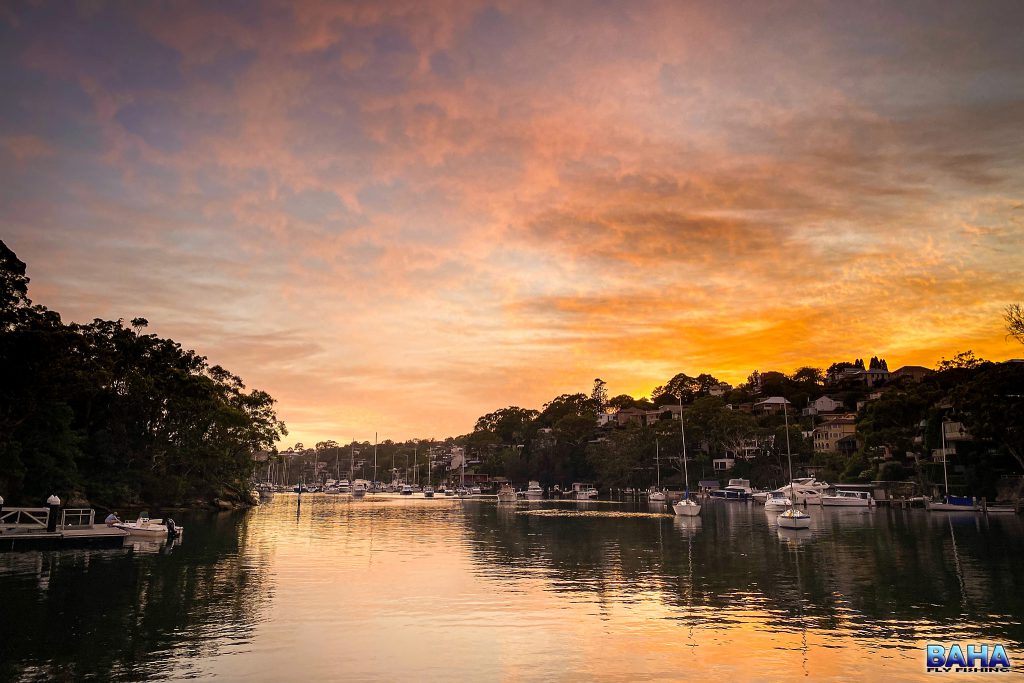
(107, 414)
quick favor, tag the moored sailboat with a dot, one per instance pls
(686, 507)
(793, 518)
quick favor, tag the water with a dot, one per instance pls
(390, 588)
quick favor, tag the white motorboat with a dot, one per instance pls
(801, 494)
(687, 507)
(359, 488)
(534, 491)
(476, 491)
(777, 500)
(793, 518)
(150, 528)
(428, 492)
(656, 496)
(506, 494)
(853, 499)
(406, 490)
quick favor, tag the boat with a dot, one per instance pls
(534, 491)
(777, 500)
(151, 528)
(462, 492)
(359, 488)
(583, 491)
(506, 494)
(301, 488)
(476, 491)
(738, 489)
(655, 494)
(428, 491)
(854, 499)
(793, 518)
(686, 507)
(953, 504)
(406, 490)
(449, 492)
(950, 503)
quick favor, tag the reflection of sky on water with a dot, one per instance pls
(389, 588)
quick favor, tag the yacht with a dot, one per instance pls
(777, 500)
(406, 490)
(359, 488)
(506, 494)
(534, 491)
(428, 492)
(738, 489)
(855, 499)
(803, 493)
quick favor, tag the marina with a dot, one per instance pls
(588, 590)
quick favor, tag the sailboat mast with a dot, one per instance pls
(657, 462)
(789, 455)
(375, 459)
(945, 473)
(682, 431)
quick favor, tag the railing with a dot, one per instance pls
(78, 517)
(24, 518)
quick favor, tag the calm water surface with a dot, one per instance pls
(391, 588)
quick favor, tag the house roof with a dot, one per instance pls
(773, 401)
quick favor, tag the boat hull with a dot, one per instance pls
(950, 507)
(686, 508)
(829, 501)
(730, 495)
(799, 521)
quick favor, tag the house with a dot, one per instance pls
(671, 411)
(822, 404)
(722, 464)
(772, 406)
(628, 416)
(828, 434)
(911, 373)
(720, 389)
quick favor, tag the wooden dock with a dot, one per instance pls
(28, 529)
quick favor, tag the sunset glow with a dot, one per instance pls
(398, 216)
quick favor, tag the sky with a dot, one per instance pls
(398, 216)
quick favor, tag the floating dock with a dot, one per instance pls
(31, 529)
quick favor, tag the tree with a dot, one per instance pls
(1014, 316)
(600, 393)
(965, 360)
(991, 406)
(512, 425)
(682, 385)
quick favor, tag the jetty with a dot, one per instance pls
(45, 528)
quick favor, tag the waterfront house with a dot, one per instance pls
(829, 434)
(911, 373)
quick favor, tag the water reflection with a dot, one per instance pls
(387, 587)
